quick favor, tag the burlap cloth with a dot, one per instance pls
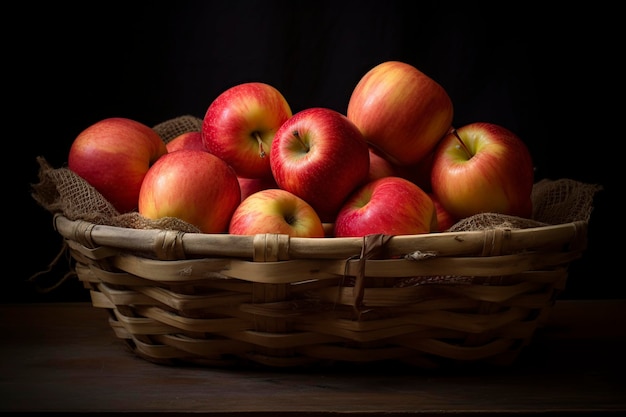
(61, 191)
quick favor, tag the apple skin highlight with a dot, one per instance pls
(492, 173)
(194, 186)
(401, 111)
(320, 156)
(113, 155)
(276, 211)
(240, 124)
(389, 205)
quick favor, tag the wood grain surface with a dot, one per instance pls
(64, 358)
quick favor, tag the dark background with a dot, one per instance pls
(552, 77)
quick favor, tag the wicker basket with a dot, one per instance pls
(427, 300)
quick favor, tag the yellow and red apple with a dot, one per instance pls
(320, 156)
(186, 140)
(401, 111)
(113, 155)
(240, 124)
(276, 211)
(480, 168)
(389, 205)
(379, 166)
(250, 186)
(194, 186)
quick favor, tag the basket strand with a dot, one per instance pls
(373, 246)
(71, 273)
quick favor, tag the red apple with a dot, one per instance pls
(240, 124)
(379, 166)
(113, 155)
(320, 156)
(250, 186)
(187, 140)
(401, 111)
(389, 205)
(480, 168)
(445, 220)
(194, 186)
(276, 211)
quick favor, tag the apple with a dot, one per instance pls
(320, 156)
(379, 166)
(250, 186)
(389, 205)
(191, 185)
(480, 168)
(113, 155)
(445, 220)
(274, 210)
(186, 140)
(401, 111)
(240, 124)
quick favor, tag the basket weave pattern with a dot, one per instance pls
(476, 292)
(216, 300)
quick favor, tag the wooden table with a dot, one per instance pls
(64, 358)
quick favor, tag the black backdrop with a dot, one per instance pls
(550, 76)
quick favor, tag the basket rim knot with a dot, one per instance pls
(373, 246)
(168, 245)
(270, 247)
(81, 231)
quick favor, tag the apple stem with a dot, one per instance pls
(258, 139)
(465, 148)
(304, 145)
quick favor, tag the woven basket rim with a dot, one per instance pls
(270, 299)
(171, 244)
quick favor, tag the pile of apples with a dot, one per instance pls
(393, 164)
